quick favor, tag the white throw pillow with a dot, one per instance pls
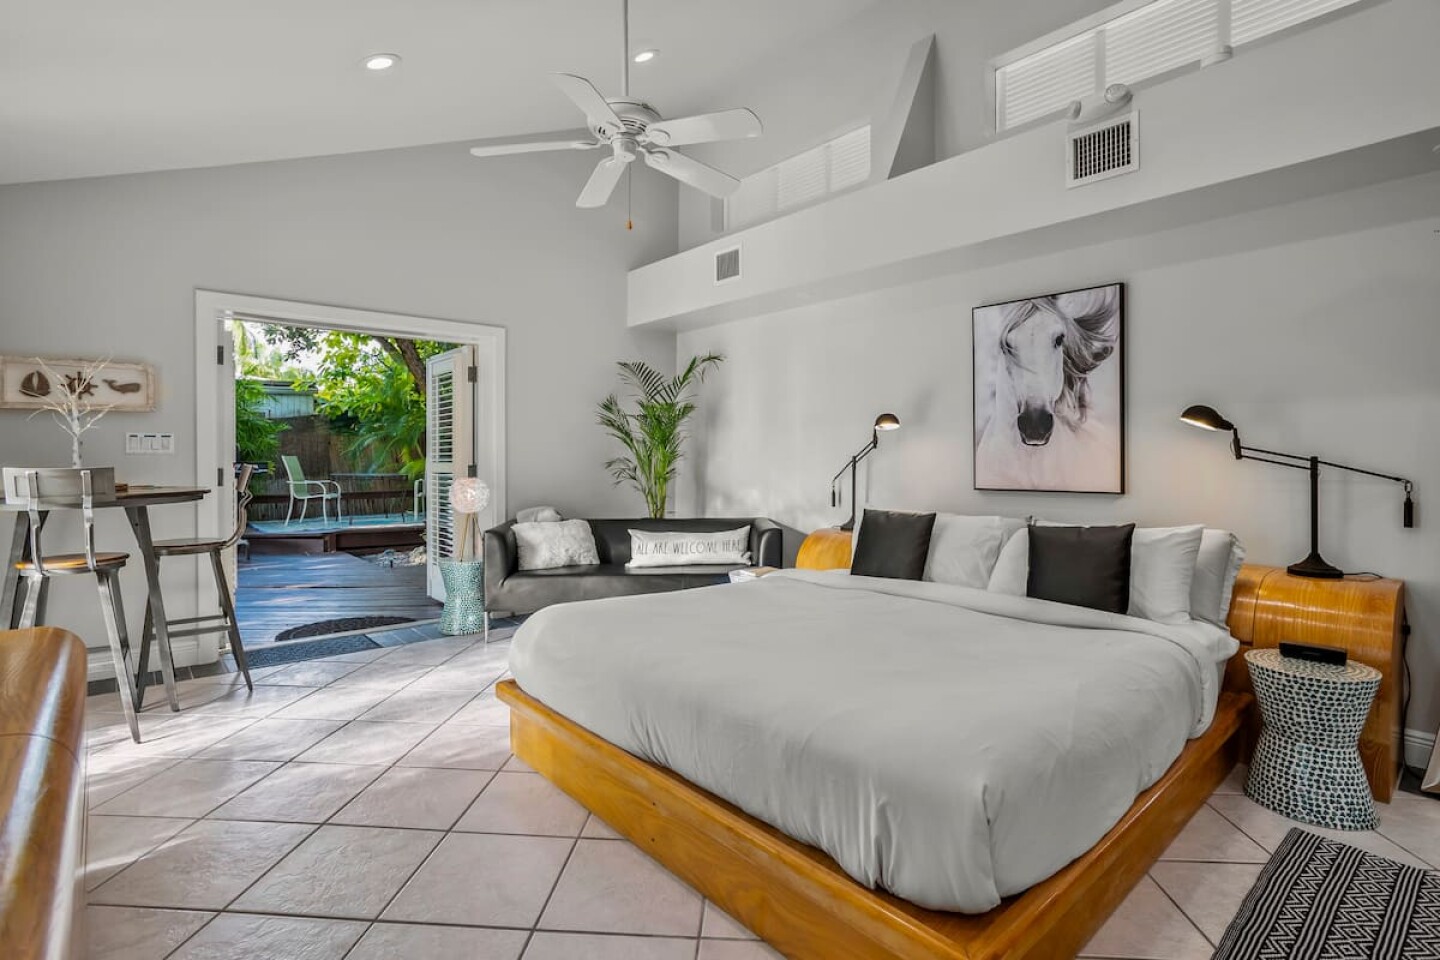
(564, 543)
(1216, 567)
(1012, 568)
(657, 548)
(963, 549)
(1162, 568)
(538, 515)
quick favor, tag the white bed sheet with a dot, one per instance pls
(946, 744)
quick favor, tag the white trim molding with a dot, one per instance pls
(1417, 745)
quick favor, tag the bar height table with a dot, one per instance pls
(136, 501)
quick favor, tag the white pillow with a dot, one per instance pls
(1012, 568)
(656, 548)
(537, 515)
(563, 543)
(1162, 568)
(1216, 568)
(963, 549)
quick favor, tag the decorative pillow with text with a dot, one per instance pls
(654, 548)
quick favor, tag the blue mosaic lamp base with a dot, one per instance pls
(464, 597)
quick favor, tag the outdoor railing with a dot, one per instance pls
(365, 495)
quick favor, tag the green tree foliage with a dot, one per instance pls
(257, 438)
(372, 389)
(653, 434)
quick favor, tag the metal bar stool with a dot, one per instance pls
(52, 489)
(222, 622)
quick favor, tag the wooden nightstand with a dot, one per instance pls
(827, 549)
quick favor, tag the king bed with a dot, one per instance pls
(862, 767)
(950, 745)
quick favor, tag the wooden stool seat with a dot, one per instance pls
(75, 563)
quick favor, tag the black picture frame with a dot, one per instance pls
(1011, 464)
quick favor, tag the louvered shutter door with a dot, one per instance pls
(1253, 19)
(1159, 37)
(1046, 81)
(450, 444)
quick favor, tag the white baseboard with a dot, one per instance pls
(1418, 747)
(101, 666)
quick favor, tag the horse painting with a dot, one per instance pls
(1048, 393)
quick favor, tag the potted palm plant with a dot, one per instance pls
(653, 433)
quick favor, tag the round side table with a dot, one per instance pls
(1307, 764)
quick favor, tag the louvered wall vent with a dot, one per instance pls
(727, 265)
(1102, 150)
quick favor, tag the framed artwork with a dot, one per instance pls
(1050, 392)
(26, 382)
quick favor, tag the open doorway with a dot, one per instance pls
(354, 424)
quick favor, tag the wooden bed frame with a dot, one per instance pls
(800, 901)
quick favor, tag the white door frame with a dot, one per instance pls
(214, 308)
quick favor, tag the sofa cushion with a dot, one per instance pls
(533, 589)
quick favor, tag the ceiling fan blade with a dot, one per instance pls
(691, 171)
(555, 140)
(737, 124)
(589, 100)
(601, 183)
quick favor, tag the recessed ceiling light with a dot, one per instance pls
(381, 61)
(645, 56)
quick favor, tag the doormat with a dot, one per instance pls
(1318, 898)
(322, 628)
(280, 653)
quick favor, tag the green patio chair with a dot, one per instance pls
(304, 490)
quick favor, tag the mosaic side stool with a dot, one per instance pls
(464, 611)
(1307, 763)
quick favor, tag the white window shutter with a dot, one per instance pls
(1253, 19)
(850, 160)
(803, 179)
(1046, 81)
(1158, 37)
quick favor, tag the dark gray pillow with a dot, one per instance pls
(893, 544)
(1083, 566)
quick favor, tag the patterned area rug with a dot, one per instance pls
(341, 625)
(275, 655)
(1317, 899)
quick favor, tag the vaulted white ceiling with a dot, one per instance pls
(95, 87)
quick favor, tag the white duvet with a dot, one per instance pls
(947, 744)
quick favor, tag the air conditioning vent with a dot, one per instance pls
(727, 265)
(1103, 150)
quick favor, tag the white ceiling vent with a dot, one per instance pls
(727, 265)
(1102, 150)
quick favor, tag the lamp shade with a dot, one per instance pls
(469, 495)
(1207, 418)
(887, 421)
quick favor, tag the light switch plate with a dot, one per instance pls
(149, 443)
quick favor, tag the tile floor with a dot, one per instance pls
(368, 807)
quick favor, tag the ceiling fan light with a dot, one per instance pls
(378, 62)
(645, 56)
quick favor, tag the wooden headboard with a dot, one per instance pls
(1364, 616)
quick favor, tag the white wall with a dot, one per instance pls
(109, 267)
(840, 77)
(1314, 326)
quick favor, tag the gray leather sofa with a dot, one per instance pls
(510, 590)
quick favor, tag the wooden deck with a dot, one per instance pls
(280, 592)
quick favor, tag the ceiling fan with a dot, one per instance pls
(633, 129)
